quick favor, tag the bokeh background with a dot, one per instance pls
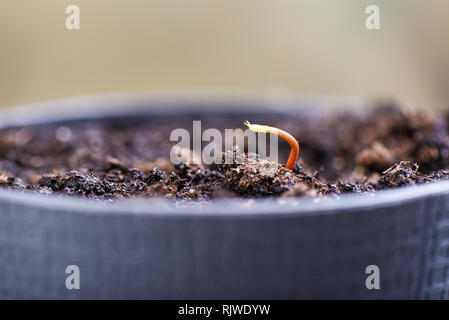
(311, 46)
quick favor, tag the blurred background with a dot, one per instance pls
(311, 46)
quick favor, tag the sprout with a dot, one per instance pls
(294, 152)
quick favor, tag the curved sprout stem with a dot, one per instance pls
(294, 152)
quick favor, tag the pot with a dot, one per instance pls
(148, 249)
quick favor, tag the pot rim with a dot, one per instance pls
(88, 107)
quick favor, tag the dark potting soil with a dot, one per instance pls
(120, 158)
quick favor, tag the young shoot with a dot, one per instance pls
(294, 152)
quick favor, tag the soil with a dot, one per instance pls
(120, 158)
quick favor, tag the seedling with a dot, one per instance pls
(294, 152)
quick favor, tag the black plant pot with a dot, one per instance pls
(145, 249)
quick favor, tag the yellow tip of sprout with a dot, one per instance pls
(259, 128)
(294, 152)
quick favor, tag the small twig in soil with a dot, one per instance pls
(294, 152)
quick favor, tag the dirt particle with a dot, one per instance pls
(375, 158)
(63, 134)
(3, 178)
